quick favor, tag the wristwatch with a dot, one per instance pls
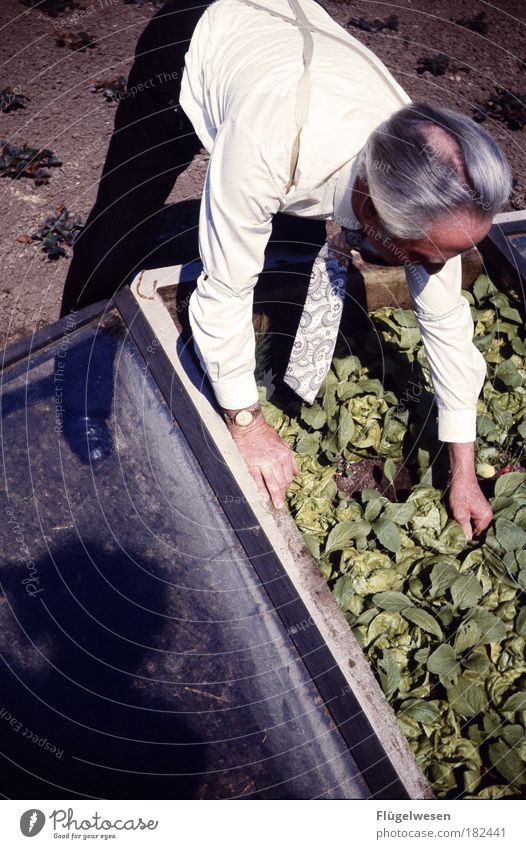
(244, 417)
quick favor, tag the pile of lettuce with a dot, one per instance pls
(441, 619)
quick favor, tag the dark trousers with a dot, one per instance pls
(152, 143)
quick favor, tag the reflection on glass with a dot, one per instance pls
(138, 643)
(519, 243)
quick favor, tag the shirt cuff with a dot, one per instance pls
(457, 425)
(236, 394)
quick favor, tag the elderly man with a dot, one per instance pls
(299, 118)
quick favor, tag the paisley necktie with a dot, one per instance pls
(315, 339)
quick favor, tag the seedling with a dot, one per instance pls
(111, 89)
(477, 23)
(437, 64)
(504, 106)
(58, 230)
(75, 40)
(12, 99)
(22, 161)
(375, 25)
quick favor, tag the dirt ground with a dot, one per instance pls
(67, 116)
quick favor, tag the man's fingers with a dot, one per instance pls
(482, 520)
(277, 486)
(256, 474)
(466, 527)
(270, 462)
(277, 478)
(472, 523)
(463, 517)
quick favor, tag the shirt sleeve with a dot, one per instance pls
(239, 200)
(457, 367)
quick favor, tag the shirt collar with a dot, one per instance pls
(344, 214)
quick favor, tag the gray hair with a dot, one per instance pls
(413, 183)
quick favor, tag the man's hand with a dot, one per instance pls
(268, 457)
(468, 505)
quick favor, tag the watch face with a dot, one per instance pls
(244, 418)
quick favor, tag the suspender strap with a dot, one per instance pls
(357, 47)
(301, 109)
(302, 91)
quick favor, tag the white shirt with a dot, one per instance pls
(239, 91)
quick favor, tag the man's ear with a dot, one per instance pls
(363, 205)
(368, 212)
(362, 202)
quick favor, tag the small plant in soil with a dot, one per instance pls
(477, 23)
(111, 89)
(436, 65)
(374, 25)
(53, 8)
(61, 228)
(12, 99)
(22, 161)
(504, 106)
(75, 40)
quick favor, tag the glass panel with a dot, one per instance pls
(141, 655)
(519, 243)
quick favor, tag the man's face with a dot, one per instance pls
(445, 239)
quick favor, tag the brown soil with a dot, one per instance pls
(64, 114)
(369, 474)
